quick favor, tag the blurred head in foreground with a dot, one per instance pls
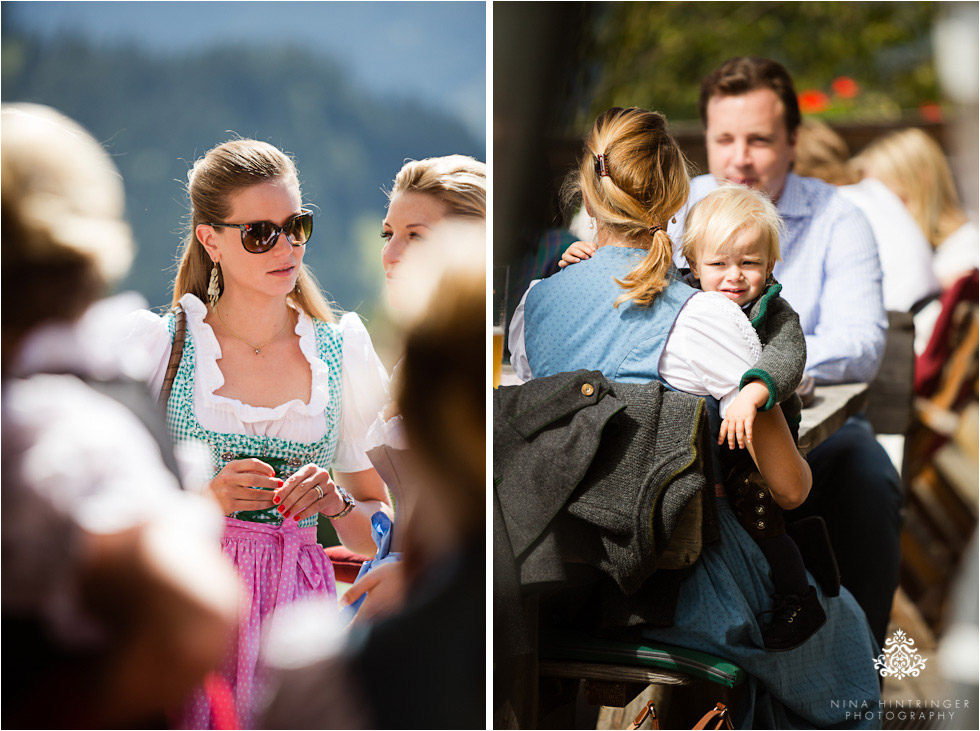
(441, 394)
(64, 237)
(425, 193)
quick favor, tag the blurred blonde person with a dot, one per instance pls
(106, 620)
(905, 255)
(426, 195)
(913, 166)
(436, 638)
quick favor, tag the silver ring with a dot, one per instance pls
(319, 491)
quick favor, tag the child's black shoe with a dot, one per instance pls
(795, 620)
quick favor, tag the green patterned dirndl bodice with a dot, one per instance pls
(284, 455)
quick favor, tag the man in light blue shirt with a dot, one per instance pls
(831, 276)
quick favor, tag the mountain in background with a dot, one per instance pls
(156, 114)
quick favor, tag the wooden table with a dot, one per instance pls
(831, 407)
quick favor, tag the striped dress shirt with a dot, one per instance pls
(830, 275)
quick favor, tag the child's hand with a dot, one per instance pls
(737, 424)
(579, 251)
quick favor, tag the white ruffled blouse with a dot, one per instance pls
(364, 384)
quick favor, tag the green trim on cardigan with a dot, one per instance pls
(758, 373)
(761, 305)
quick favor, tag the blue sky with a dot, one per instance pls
(433, 51)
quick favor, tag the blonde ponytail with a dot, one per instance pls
(634, 177)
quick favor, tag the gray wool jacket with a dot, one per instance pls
(783, 357)
(592, 477)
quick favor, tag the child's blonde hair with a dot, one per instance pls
(722, 214)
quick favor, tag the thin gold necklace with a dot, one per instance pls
(256, 348)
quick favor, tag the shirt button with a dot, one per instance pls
(227, 456)
(587, 389)
(760, 524)
(295, 461)
(760, 509)
(760, 495)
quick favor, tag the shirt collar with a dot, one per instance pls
(793, 203)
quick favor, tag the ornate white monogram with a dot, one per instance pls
(900, 658)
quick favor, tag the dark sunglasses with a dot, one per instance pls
(260, 237)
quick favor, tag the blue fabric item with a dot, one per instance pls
(381, 526)
(814, 686)
(569, 321)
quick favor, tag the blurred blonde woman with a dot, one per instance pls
(905, 255)
(913, 166)
(441, 396)
(426, 195)
(276, 389)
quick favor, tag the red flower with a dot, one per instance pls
(813, 101)
(845, 87)
(931, 112)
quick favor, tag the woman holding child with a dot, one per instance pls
(274, 387)
(626, 312)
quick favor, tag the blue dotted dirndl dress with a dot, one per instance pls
(278, 561)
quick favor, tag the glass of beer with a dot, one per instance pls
(499, 324)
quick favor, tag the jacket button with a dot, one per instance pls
(760, 524)
(760, 495)
(587, 389)
(760, 509)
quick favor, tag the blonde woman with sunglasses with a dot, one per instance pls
(276, 389)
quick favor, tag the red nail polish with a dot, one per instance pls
(281, 508)
(276, 499)
(286, 514)
(296, 518)
(281, 483)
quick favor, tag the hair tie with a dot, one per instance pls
(654, 228)
(600, 166)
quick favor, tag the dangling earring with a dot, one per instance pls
(213, 291)
(674, 219)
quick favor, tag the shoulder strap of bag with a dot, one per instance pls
(176, 352)
(719, 715)
(650, 709)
